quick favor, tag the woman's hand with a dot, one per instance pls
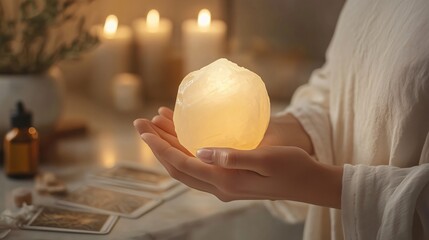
(264, 173)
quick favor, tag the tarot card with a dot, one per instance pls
(154, 193)
(70, 220)
(129, 175)
(110, 201)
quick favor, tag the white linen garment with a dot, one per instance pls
(367, 108)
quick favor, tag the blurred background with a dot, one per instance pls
(282, 41)
(130, 56)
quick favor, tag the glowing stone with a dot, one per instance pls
(221, 105)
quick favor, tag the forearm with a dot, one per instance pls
(286, 130)
(318, 184)
(327, 187)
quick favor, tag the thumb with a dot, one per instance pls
(233, 158)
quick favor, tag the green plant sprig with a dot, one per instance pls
(35, 25)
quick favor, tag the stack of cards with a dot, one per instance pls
(133, 178)
(124, 190)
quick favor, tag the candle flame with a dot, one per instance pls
(111, 25)
(204, 18)
(152, 19)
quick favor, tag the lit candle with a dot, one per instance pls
(110, 26)
(126, 92)
(203, 40)
(111, 57)
(153, 39)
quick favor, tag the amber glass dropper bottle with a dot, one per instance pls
(21, 145)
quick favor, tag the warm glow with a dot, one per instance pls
(152, 19)
(108, 158)
(204, 18)
(32, 130)
(111, 25)
(107, 151)
(233, 102)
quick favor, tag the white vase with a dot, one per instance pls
(40, 93)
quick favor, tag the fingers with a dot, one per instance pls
(195, 183)
(164, 120)
(172, 140)
(179, 160)
(166, 112)
(252, 160)
(165, 124)
(191, 181)
(144, 126)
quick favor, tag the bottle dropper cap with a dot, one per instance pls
(21, 118)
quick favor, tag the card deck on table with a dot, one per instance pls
(110, 201)
(158, 194)
(134, 176)
(69, 220)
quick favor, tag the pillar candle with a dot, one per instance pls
(126, 92)
(110, 58)
(203, 40)
(153, 40)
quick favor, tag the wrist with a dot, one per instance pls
(330, 182)
(323, 186)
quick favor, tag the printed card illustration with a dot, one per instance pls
(68, 220)
(129, 175)
(110, 201)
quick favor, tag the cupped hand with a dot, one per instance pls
(269, 172)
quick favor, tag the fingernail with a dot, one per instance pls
(205, 155)
(144, 136)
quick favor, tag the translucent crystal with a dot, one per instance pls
(221, 105)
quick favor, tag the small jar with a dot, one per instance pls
(21, 145)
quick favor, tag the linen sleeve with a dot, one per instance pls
(385, 202)
(310, 105)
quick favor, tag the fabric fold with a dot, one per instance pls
(379, 202)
